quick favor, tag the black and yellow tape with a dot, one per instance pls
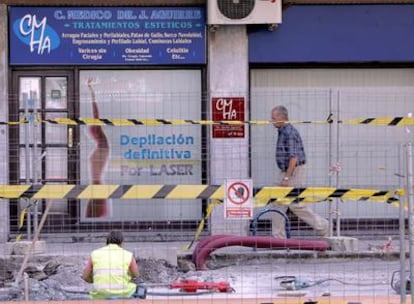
(202, 223)
(379, 121)
(214, 193)
(287, 195)
(111, 191)
(159, 122)
(13, 123)
(22, 216)
(125, 122)
(262, 195)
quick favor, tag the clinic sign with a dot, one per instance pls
(228, 109)
(107, 35)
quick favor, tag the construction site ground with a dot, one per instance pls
(360, 276)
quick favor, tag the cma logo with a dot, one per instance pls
(36, 33)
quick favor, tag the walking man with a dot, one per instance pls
(291, 161)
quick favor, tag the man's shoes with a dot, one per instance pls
(140, 292)
(324, 233)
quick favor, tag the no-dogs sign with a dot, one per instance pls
(238, 200)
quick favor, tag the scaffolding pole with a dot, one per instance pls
(409, 148)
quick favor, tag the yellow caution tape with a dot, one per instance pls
(13, 123)
(262, 195)
(379, 121)
(287, 195)
(13, 191)
(21, 217)
(203, 221)
(284, 195)
(159, 122)
(215, 193)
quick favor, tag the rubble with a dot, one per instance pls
(59, 278)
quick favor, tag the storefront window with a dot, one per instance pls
(142, 153)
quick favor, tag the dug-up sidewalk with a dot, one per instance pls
(356, 269)
(174, 252)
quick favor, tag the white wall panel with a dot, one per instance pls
(370, 156)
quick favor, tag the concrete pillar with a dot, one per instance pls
(4, 170)
(228, 71)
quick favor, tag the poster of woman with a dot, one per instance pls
(140, 154)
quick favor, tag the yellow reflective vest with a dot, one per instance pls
(110, 273)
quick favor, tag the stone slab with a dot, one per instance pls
(343, 244)
(22, 247)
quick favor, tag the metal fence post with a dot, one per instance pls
(27, 128)
(409, 148)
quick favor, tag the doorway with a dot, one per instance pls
(42, 152)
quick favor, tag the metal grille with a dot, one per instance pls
(236, 9)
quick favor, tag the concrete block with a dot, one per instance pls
(343, 244)
(168, 254)
(22, 247)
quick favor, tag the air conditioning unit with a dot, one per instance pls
(244, 11)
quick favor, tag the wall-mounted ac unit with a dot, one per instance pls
(244, 11)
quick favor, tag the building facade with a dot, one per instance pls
(158, 60)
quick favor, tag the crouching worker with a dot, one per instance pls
(111, 269)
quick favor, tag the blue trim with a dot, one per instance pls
(337, 33)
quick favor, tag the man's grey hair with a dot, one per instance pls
(281, 110)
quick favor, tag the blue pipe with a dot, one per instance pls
(266, 210)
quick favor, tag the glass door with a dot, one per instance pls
(41, 152)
